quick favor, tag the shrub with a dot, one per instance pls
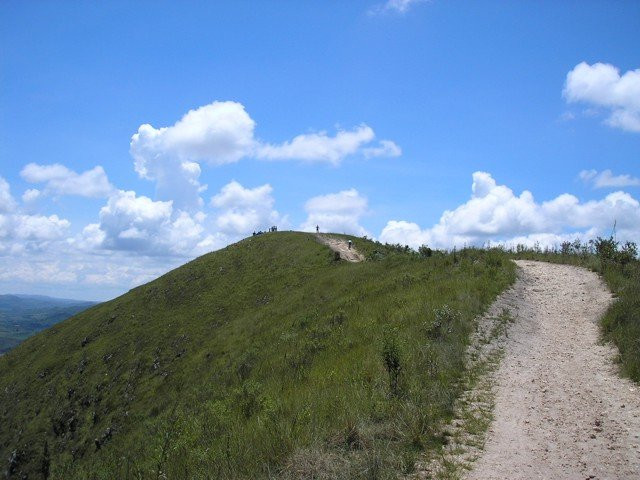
(391, 356)
(249, 398)
(443, 322)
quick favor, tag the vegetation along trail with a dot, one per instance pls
(561, 409)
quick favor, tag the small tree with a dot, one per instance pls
(391, 356)
(606, 249)
(627, 253)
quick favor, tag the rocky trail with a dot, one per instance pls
(342, 247)
(560, 410)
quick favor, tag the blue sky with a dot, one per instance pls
(408, 121)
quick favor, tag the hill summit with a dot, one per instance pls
(269, 358)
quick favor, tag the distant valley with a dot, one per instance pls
(23, 315)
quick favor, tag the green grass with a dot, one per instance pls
(621, 272)
(267, 359)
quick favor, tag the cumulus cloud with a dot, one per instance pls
(606, 179)
(40, 227)
(23, 232)
(20, 232)
(494, 213)
(244, 210)
(601, 85)
(137, 224)
(7, 203)
(319, 147)
(59, 180)
(222, 133)
(218, 133)
(133, 223)
(336, 212)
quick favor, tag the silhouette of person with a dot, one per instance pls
(349, 244)
(317, 229)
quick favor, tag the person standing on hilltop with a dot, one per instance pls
(317, 229)
(349, 244)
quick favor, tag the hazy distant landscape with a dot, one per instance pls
(23, 315)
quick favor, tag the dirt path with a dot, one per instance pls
(561, 410)
(342, 247)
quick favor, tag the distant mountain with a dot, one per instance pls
(23, 315)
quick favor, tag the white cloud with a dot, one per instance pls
(222, 133)
(387, 148)
(82, 274)
(601, 85)
(20, 232)
(319, 147)
(38, 272)
(137, 224)
(40, 227)
(31, 195)
(234, 195)
(218, 133)
(244, 210)
(494, 213)
(7, 203)
(28, 233)
(625, 119)
(59, 180)
(133, 223)
(606, 178)
(397, 6)
(336, 212)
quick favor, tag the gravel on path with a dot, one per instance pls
(561, 409)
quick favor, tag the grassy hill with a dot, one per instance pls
(266, 359)
(23, 315)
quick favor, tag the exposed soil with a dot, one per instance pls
(342, 247)
(560, 408)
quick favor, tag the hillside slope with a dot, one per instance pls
(267, 358)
